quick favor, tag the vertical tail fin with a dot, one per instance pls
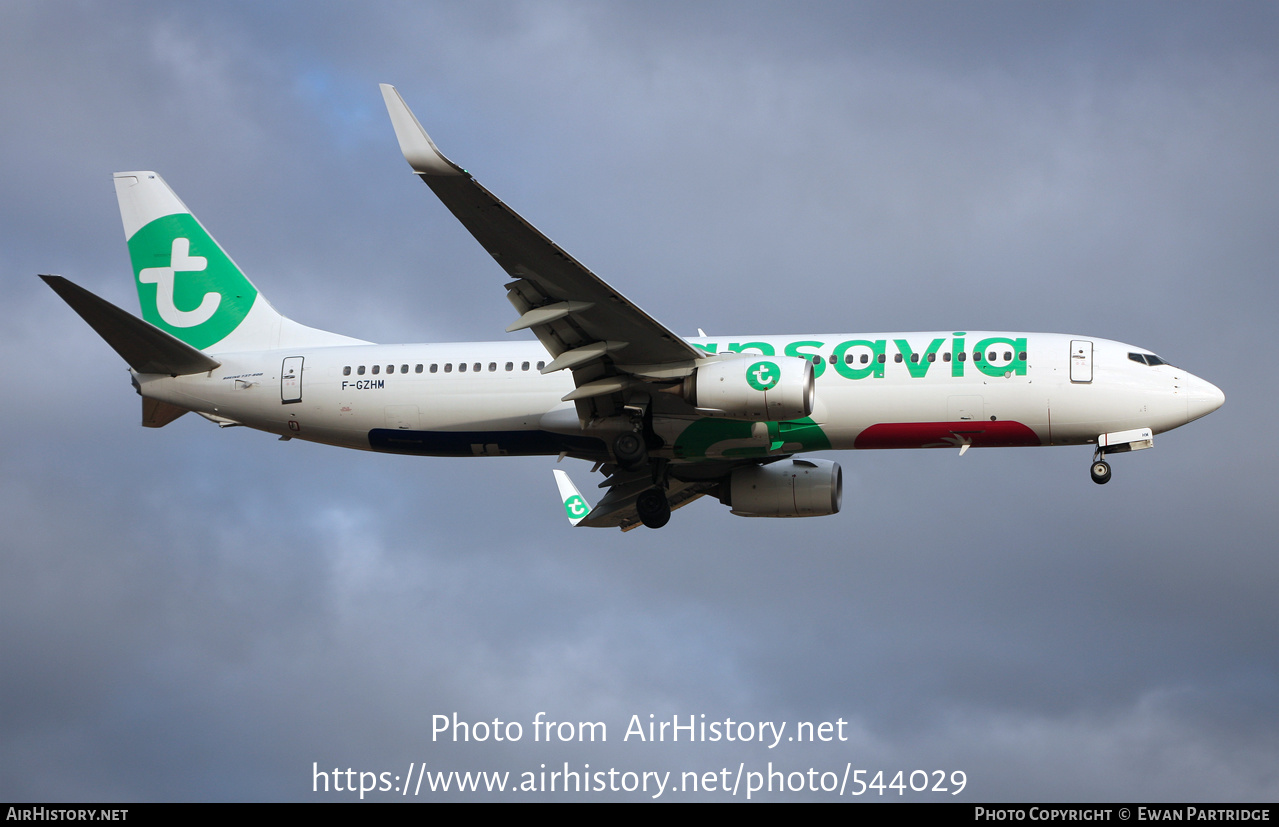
(188, 286)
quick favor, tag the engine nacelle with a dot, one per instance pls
(789, 488)
(754, 387)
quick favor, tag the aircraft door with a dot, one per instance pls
(1080, 360)
(291, 380)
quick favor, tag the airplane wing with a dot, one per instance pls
(618, 507)
(609, 343)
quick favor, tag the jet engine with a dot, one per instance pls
(789, 488)
(754, 387)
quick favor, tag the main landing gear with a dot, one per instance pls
(630, 450)
(653, 508)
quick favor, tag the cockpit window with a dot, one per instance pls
(1146, 359)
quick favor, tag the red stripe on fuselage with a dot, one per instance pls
(999, 434)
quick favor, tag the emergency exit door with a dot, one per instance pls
(1080, 360)
(291, 380)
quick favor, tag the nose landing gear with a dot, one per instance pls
(1118, 442)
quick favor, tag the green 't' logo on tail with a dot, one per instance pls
(187, 286)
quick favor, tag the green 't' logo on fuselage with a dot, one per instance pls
(187, 286)
(763, 376)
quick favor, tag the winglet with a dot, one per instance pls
(576, 507)
(418, 148)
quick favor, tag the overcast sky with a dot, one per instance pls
(195, 614)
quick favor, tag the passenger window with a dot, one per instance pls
(346, 371)
(976, 355)
(510, 366)
(405, 368)
(1022, 356)
(541, 365)
(477, 367)
(897, 358)
(882, 359)
(963, 356)
(832, 359)
(376, 368)
(435, 366)
(945, 357)
(932, 357)
(359, 371)
(524, 366)
(461, 367)
(914, 357)
(417, 368)
(448, 367)
(390, 368)
(1008, 355)
(492, 366)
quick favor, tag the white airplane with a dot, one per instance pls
(668, 419)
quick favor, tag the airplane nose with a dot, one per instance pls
(1202, 398)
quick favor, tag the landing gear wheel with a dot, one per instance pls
(653, 508)
(630, 451)
(1101, 472)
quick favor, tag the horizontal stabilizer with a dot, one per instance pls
(157, 414)
(146, 348)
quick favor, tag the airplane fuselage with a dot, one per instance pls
(894, 390)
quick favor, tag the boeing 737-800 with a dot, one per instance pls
(667, 419)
